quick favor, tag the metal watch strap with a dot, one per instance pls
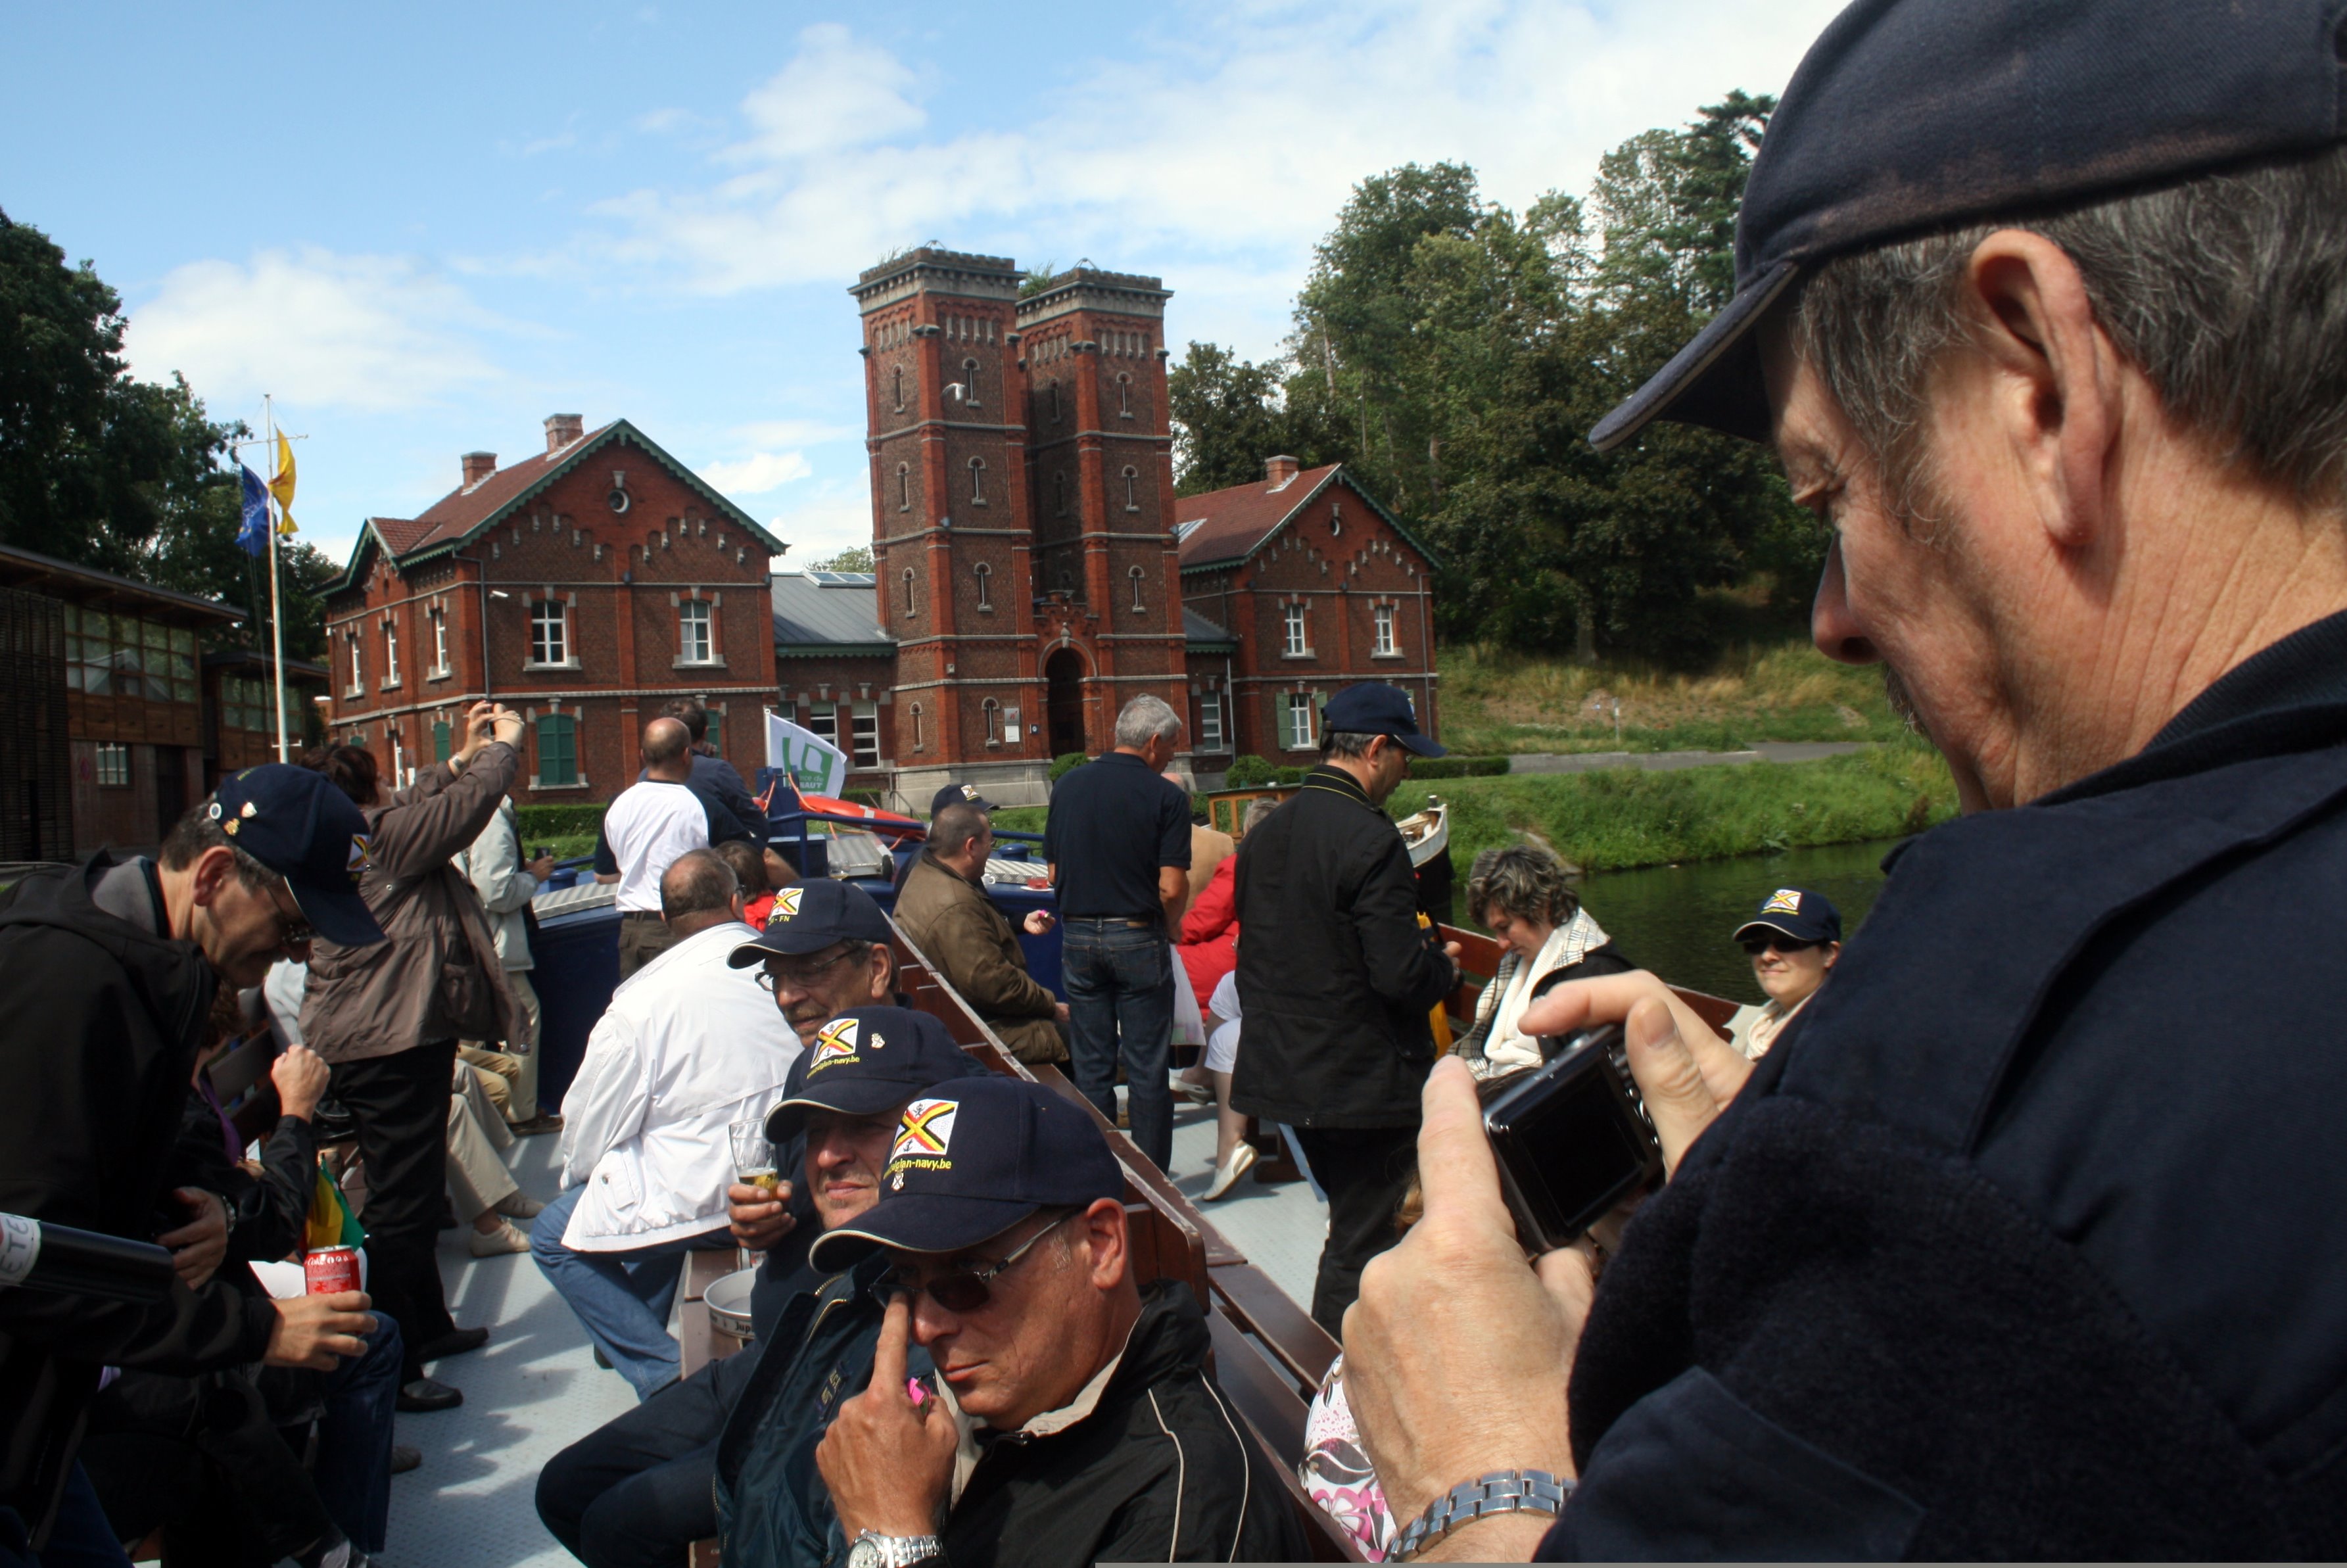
(1501, 1492)
(902, 1551)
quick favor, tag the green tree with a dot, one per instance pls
(1230, 414)
(855, 558)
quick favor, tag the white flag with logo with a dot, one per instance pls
(814, 764)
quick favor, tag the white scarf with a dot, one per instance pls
(1506, 1047)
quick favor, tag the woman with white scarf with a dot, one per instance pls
(1523, 895)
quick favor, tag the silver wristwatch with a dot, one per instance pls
(875, 1550)
(1501, 1492)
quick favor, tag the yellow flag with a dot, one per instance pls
(282, 484)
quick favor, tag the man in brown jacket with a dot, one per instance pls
(387, 1018)
(944, 911)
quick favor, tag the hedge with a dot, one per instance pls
(1067, 763)
(559, 821)
(1251, 771)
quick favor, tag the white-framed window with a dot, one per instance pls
(1298, 718)
(865, 750)
(113, 766)
(993, 711)
(985, 575)
(823, 719)
(390, 654)
(399, 776)
(921, 740)
(1131, 488)
(695, 643)
(1209, 722)
(1138, 603)
(439, 642)
(911, 606)
(1384, 628)
(904, 486)
(358, 666)
(549, 632)
(1296, 645)
(977, 481)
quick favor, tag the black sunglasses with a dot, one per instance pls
(1755, 946)
(964, 1290)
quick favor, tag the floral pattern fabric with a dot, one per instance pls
(1337, 1472)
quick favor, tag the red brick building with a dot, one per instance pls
(1035, 571)
(584, 585)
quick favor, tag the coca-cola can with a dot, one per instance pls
(331, 1270)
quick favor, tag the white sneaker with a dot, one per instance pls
(1227, 1174)
(498, 1242)
(521, 1205)
(1195, 1093)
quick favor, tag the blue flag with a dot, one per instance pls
(254, 534)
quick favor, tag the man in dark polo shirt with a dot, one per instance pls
(1118, 841)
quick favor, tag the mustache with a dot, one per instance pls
(1896, 692)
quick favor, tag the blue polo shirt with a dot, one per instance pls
(1113, 823)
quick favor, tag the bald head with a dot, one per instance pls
(697, 891)
(668, 751)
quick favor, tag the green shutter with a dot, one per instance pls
(717, 733)
(440, 747)
(1280, 728)
(557, 750)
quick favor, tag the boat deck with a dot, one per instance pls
(534, 1388)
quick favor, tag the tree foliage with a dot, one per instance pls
(104, 470)
(1456, 354)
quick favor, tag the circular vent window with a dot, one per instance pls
(619, 499)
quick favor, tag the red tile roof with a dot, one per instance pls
(460, 511)
(1233, 522)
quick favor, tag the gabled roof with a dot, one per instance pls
(457, 519)
(1224, 527)
(1204, 636)
(823, 612)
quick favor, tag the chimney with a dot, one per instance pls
(562, 429)
(479, 465)
(1279, 471)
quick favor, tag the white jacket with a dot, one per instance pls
(687, 1047)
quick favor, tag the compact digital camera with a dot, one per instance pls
(1573, 1138)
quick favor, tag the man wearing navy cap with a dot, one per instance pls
(1793, 942)
(108, 971)
(2030, 1245)
(1336, 976)
(643, 1488)
(1070, 1419)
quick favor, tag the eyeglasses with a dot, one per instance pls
(798, 977)
(1755, 946)
(292, 929)
(964, 1290)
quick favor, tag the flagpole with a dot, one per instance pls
(276, 611)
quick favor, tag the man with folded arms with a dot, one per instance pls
(1070, 1418)
(945, 913)
(2029, 1239)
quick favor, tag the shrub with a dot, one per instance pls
(1457, 767)
(1249, 772)
(1067, 763)
(538, 821)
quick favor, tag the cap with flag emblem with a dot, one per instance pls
(865, 1061)
(297, 824)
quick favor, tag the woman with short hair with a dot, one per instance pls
(1524, 895)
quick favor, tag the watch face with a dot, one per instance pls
(866, 1553)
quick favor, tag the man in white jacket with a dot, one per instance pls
(688, 1046)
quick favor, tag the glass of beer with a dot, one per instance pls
(754, 1163)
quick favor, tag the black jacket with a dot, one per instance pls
(99, 1023)
(1335, 975)
(2029, 1238)
(1159, 1471)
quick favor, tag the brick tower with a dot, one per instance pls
(1108, 607)
(950, 538)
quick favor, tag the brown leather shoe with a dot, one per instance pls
(545, 1122)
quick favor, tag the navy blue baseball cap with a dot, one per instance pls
(866, 1061)
(1374, 708)
(971, 1159)
(1801, 912)
(1910, 116)
(959, 794)
(812, 915)
(296, 822)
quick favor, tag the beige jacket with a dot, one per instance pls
(971, 945)
(438, 976)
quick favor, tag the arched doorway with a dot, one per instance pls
(1063, 680)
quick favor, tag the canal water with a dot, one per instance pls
(1676, 920)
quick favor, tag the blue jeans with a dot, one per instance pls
(622, 1298)
(79, 1537)
(353, 1470)
(1120, 981)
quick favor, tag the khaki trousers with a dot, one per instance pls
(514, 1074)
(477, 1178)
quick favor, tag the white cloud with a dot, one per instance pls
(758, 473)
(835, 516)
(317, 329)
(793, 432)
(1233, 147)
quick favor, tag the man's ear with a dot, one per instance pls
(2053, 377)
(212, 869)
(883, 971)
(1107, 1242)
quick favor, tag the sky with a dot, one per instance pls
(422, 229)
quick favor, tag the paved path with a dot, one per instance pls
(1666, 762)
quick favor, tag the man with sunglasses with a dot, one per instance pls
(1070, 1418)
(1793, 940)
(640, 1491)
(108, 973)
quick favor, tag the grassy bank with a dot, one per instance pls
(1621, 817)
(1497, 702)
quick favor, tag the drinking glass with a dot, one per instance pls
(754, 1156)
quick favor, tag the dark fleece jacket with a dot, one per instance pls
(102, 1021)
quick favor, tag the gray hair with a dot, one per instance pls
(697, 882)
(1146, 719)
(951, 830)
(2228, 291)
(1344, 743)
(1524, 880)
(1263, 806)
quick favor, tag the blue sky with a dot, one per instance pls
(425, 228)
